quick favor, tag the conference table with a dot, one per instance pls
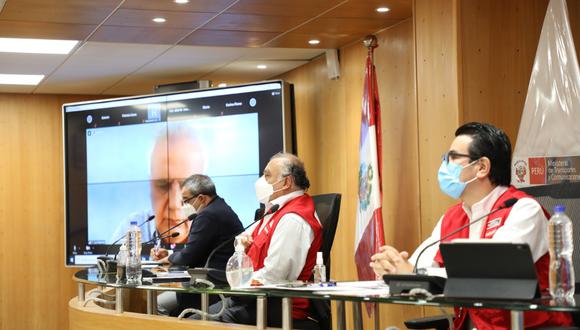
(366, 292)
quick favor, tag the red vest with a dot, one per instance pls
(493, 318)
(258, 251)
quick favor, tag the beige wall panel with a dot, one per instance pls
(437, 98)
(35, 285)
(395, 63)
(498, 41)
(574, 13)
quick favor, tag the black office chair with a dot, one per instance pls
(327, 208)
(567, 194)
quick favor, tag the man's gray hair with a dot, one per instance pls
(199, 184)
(293, 166)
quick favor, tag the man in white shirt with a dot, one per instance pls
(283, 244)
(293, 234)
(476, 170)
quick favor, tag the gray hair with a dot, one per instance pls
(199, 184)
(293, 166)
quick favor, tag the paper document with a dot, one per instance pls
(349, 288)
(358, 289)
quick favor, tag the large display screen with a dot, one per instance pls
(125, 159)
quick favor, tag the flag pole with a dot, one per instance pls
(371, 122)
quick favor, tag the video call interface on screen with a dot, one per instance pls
(136, 152)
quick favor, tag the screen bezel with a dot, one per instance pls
(288, 137)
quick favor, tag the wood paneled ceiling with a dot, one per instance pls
(122, 51)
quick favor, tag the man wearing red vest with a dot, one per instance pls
(476, 170)
(283, 244)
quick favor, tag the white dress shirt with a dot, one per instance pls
(288, 247)
(526, 223)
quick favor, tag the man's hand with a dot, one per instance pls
(158, 254)
(164, 260)
(390, 261)
(245, 239)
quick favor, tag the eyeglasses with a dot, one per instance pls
(186, 200)
(452, 155)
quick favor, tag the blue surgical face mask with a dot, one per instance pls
(448, 176)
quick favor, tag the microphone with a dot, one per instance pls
(151, 217)
(103, 261)
(151, 240)
(201, 272)
(259, 212)
(399, 283)
(171, 235)
(191, 217)
(272, 209)
(175, 234)
(507, 204)
(112, 264)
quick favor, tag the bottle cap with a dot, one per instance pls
(319, 260)
(133, 222)
(559, 208)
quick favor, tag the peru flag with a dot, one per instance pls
(369, 219)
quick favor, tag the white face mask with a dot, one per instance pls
(264, 190)
(187, 210)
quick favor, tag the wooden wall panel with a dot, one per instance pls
(35, 285)
(438, 100)
(395, 63)
(499, 41)
(574, 13)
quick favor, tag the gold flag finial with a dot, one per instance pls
(370, 41)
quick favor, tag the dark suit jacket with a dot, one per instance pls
(213, 225)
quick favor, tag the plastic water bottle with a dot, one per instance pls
(561, 247)
(121, 263)
(319, 271)
(133, 242)
(239, 269)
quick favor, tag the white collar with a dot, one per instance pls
(484, 205)
(282, 200)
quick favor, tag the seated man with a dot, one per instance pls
(215, 223)
(282, 245)
(476, 170)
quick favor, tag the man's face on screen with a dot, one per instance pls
(172, 161)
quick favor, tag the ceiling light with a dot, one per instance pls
(382, 9)
(159, 20)
(261, 66)
(36, 46)
(222, 85)
(20, 79)
(181, 1)
(314, 41)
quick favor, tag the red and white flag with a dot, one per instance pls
(369, 219)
